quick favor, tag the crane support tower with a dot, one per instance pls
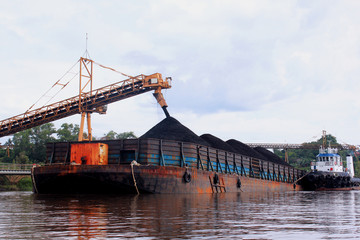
(88, 102)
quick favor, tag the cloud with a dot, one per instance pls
(280, 68)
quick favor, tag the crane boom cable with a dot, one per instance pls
(63, 86)
(56, 83)
(100, 65)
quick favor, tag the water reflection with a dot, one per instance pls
(330, 215)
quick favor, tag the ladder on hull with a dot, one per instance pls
(217, 187)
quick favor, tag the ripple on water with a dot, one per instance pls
(292, 215)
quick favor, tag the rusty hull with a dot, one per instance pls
(149, 179)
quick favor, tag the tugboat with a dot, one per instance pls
(328, 173)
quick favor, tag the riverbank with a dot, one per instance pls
(23, 185)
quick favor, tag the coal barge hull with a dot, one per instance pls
(148, 179)
(156, 166)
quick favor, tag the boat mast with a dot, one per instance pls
(324, 139)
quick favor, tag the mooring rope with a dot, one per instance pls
(301, 178)
(132, 171)
(33, 178)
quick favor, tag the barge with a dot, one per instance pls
(150, 165)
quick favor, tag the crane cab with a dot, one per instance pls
(156, 80)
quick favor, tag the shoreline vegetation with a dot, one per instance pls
(24, 184)
(29, 146)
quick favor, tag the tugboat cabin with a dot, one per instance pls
(328, 160)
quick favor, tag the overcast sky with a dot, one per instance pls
(255, 71)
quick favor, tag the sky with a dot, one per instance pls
(257, 71)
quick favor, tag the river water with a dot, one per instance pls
(289, 215)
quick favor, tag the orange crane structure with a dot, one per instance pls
(88, 102)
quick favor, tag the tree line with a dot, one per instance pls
(29, 146)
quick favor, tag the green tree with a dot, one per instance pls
(7, 154)
(30, 145)
(357, 168)
(68, 132)
(126, 135)
(111, 135)
(22, 142)
(32, 142)
(39, 136)
(22, 158)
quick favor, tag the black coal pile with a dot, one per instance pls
(270, 156)
(216, 142)
(172, 129)
(245, 150)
